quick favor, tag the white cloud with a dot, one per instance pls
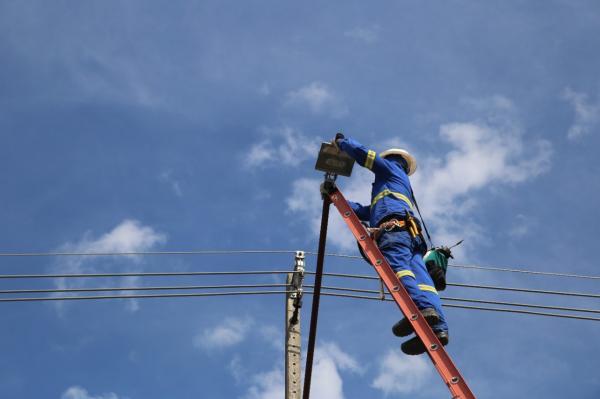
(401, 374)
(482, 154)
(229, 333)
(270, 385)
(319, 99)
(326, 382)
(282, 146)
(77, 392)
(587, 115)
(367, 35)
(329, 361)
(128, 236)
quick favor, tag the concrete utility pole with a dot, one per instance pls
(293, 380)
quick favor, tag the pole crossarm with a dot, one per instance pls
(438, 355)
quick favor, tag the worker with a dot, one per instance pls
(398, 233)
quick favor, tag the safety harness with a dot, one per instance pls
(435, 259)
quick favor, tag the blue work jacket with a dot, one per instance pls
(391, 192)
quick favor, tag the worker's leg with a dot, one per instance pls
(396, 247)
(426, 286)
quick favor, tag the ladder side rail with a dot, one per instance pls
(438, 355)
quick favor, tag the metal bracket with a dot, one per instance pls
(296, 285)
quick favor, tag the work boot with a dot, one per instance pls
(403, 327)
(415, 346)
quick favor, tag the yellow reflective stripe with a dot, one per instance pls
(404, 273)
(425, 287)
(385, 192)
(370, 158)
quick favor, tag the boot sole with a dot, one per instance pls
(403, 328)
(415, 346)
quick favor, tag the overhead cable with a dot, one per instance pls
(144, 253)
(99, 297)
(238, 293)
(142, 274)
(527, 312)
(488, 287)
(332, 288)
(267, 272)
(529, 290)
(500, 269)
(471, 300)
(161, 288)
(282, 251)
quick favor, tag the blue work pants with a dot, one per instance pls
(403, 255)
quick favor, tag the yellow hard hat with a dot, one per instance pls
(410, 160)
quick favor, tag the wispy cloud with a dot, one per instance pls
(230, 332)
(237, 369)
(77, 392)
(366, 35)
(484, 154)
(319, 99)
(587, 114)
(281, 146)
(401, 374)
(128, 236)
(102, 76)
(167, 178)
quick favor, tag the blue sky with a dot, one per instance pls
(154, 125)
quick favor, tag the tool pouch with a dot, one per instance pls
(414, 228)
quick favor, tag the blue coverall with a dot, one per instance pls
(391, 195)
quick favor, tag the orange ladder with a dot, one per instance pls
(441, 360)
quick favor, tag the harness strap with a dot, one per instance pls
(397, 195)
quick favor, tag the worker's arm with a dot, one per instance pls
(363, 212)
(361, 154)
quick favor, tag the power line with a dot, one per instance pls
(267, 272)
(535, 291)
(470, 307)
(488, 268)
(99, 297)
(344, 289)
(161, 288)
(525, 305)
(238, 293)
(489, 287)
(499, 269)
(282, 251)
(142, 274)
(489, 302)
(143, 253)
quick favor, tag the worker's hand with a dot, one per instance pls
(338, 136)
(327, 188)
